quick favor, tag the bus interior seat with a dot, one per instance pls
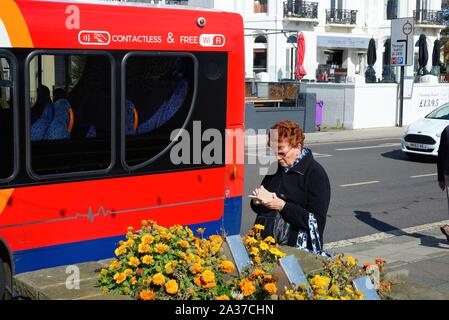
(39, 129)
(167, 110)
(62, 124)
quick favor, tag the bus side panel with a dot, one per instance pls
(69, 212)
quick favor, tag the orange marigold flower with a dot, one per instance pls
(200, 230)
(119, 277)
(133, 280)
(216, 238)
(161, 248)
(270, 288)
(257, 260)
(171, 287)
(133, 261)
(223, 297)
(147, 259)
(197, 267)
(367, 265)
(146, 295)
(143, 248)
(183, 244)
(247, 287)
(351, 261)
(380, 261)
(197, 281)
(158, 279)
(227, 266)
(258, 273)
(147, 239)
(208, 276)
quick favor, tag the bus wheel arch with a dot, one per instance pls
(6, 267)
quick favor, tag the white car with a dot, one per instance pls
(423, 135)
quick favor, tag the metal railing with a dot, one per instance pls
(429, 17)
(301, 9)
(341, 16)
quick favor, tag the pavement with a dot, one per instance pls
(335, 136)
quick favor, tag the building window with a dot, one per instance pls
(260, 6)
(70, 116)
(392, 9)
(260, 54)
(337, 4)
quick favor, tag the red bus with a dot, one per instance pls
(91, 94)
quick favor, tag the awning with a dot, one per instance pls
(342, 42)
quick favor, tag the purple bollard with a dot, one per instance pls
(319, 113)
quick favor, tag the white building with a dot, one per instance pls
(336, 33)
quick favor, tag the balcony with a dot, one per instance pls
(429, 19)
(298, 10)
(341, 18)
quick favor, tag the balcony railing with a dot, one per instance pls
(341, 16)
(428, 17)
(301, 9)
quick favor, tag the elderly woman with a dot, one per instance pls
(292, 204)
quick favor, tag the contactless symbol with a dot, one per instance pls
(97, 38)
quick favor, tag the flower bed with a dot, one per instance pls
(172, 263)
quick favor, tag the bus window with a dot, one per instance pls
(70, 113)
(158, 98)
(6, 120)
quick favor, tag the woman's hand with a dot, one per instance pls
(275, 204)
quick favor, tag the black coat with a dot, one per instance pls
(290, 187)
(443, 155)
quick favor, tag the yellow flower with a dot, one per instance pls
(257, 260)
(158, 279)
(115, 265)
(133, 280)
(119, 277)
(269, 239)
(216, 238)
(104, 272)
(127, 272)
(334, 289)
(208, 276)
(259, 227)
(351, 261)
(250, 240)
(270, 288)
(120, 250)
(263, 246)
(143, 248)
(359, 294)
(133, 261)
(147, 239)
(197, 280)
(254, 251)
(247, 287)
(200, 230)
(147, 259)
(227, 266)
(129, 243)
(197, 267)
(105, 289)
(161, 248)
(171, 287)
(183, 244)
(146, 295)
(277, 252)
(168, 268)
(320, 282)
(223, 297)
(258, 273)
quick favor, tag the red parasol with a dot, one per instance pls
(300, 72)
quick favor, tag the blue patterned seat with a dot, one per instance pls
(40, 126)
(60, 127)
(167, 110)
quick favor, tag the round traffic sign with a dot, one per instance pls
(407, 28)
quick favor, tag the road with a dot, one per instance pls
(375, 188)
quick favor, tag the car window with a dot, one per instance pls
(442, 113)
